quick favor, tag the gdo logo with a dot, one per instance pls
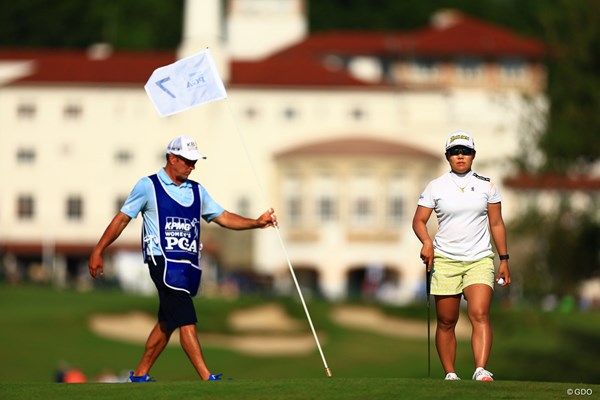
(580, 392)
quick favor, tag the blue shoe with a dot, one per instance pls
(215, 377)
(143, 378)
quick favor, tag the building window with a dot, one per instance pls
(362, 211)
(469, 68)
(396, 200)
(74, 208)
(243, 206)
(290, 113)
(425, 70)
(119, 203)
(72, 111)
(123, 156)
(25, 207)
(326, 190)
(25, 156)
(251, 113)
(294, 209)
(363, 192)
(512, 69)
(358, 113)
(26, 111)
(292, 192)
(326, 209)
(396, 210)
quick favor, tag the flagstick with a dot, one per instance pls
(289, 263)
(169, 90)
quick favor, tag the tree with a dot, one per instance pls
(572, 32)
(557, 250)
(563, 242)
(125, 24)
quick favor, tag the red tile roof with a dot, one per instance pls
(305, 62)
(75, 67)
(301, 65)
(469, 36)
(357, 146)
(553, 182)
(290, 72)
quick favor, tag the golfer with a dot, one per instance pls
(171, 206)
(460, 258)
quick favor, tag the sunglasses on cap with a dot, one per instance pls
(465, 151)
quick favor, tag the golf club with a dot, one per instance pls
(428, 290)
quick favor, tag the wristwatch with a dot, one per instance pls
(503, 257)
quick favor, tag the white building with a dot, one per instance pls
(339, 132)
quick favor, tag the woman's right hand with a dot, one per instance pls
(427, 254)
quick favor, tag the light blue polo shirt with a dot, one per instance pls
(142, 199)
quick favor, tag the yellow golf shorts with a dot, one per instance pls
(450, 277)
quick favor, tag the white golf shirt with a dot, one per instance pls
(460, 203)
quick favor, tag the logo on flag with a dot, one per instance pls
(187, 83)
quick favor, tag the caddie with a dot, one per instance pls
(172, 206)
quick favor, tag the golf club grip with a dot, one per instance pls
(428, 279)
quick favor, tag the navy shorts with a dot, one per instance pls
(176, 307)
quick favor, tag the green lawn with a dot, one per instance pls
(302, 389)
(40, 327)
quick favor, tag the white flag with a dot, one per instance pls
(187, 83)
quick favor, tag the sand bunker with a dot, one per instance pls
(277, 334)
(268, 331)
(373, 320)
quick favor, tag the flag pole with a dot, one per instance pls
(289, 263)
(193, 81)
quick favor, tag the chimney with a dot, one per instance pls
(446, 18)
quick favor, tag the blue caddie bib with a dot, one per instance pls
(179, 230)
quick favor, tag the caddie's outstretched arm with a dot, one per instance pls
(112, 232)
(234, 221)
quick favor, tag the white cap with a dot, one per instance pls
(185, 147)
(460, 138)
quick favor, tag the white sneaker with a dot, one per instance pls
(451, 376)
(481, 374)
